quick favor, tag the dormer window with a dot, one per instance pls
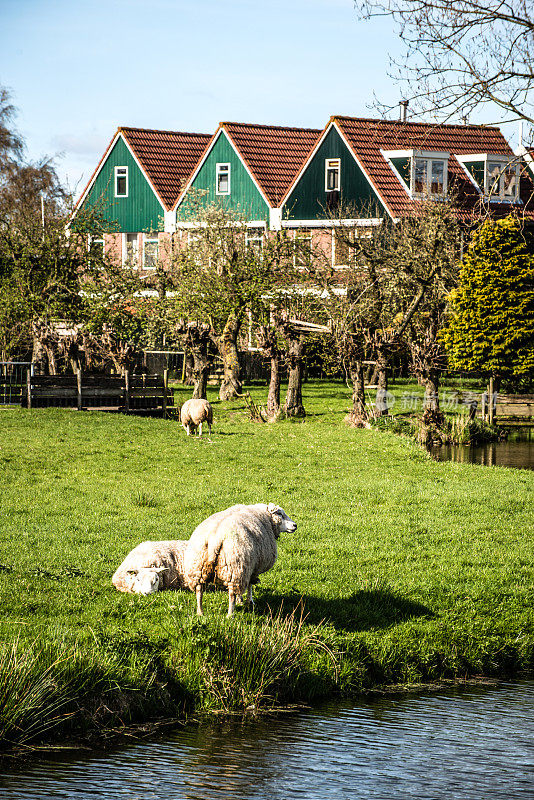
(222, 178)
(423, 173)
(494, 175)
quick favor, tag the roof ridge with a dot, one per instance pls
(267, 125)
(459, 125)
(159, 130)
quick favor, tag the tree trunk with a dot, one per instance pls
(273, 397)
(201, 371)
(268, 343)
(231, 386)
(381, 402)
(432, 414)
(293, 405)
(39, 357)
(358, 417)
(189, 366)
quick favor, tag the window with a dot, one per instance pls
(131, 250)
(222, 177)
(420, 172)
(96, 250)
(150, 250)
(254, 239)
(303, 248)
(429, 176)
(332, 171)
(121, 181)
(496, 176)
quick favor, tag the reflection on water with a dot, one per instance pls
(517, 451)
(472, 743)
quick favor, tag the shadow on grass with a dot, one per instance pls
(365, 609)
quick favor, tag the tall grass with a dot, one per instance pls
(255, 663)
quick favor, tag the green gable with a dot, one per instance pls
(141, 209)
(476, 169)
(308, 198)
(403, 166)
(244, 197)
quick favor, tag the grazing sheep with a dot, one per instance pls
(151, 567)
(231, 548)
(193, 413)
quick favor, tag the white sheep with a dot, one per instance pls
(193, 413)
(151, 567)
(231, 548)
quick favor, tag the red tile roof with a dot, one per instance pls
(168, 157)
(367, 137)
(272, 153)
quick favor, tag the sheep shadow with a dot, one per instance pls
(366, 609)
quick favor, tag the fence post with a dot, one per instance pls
(29, 387)
(127, 390)
(490, 401)
(165, 386)
(79, 385)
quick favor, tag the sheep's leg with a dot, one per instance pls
(198, 591)
(200, 429)
(250, 599)
(231, 602)
(188, 430)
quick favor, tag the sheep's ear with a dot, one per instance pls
(272, 507)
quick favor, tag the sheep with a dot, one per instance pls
(151, 567)
(232, 547)
(193, 413)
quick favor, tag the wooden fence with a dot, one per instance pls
(85, 390)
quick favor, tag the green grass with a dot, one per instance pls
(402, 570)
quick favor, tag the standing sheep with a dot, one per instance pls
(193, 413)
(231, 548)
(152, 566)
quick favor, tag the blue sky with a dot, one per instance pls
(78, 70)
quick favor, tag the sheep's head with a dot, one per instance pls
(281, 521)
(147, 580)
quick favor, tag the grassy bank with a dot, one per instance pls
(402, 570)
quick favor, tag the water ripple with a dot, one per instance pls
(475, 744)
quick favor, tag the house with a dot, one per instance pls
(383, 167)
(136, 184)
(249, 168)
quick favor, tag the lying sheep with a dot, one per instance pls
(151, 567)
(193, 413)
(231, 548)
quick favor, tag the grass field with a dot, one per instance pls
(402, 570)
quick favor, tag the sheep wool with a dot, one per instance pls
(232, 548)
(194, 413)
(166, 558)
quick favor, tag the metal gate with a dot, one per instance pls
(13, 377)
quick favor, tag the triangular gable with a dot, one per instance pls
(270, 155)
(322, 143)
(165, 159)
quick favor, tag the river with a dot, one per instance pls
(463, 744)
(517, 451)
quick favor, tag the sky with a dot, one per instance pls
(78, 70)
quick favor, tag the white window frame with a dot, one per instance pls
(504, 162)
(135, 261)
(122, 175)
(332, 163)
(147, 239)
(255, 233)
(421, 155)
(223, 168)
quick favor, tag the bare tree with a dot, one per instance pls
(463, 55)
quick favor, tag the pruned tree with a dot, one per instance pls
(224, 273)
(462, 56)
(394, 290)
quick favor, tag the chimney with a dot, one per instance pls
(404, 109)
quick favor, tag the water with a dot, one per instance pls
(517, 451)
(470, 744)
